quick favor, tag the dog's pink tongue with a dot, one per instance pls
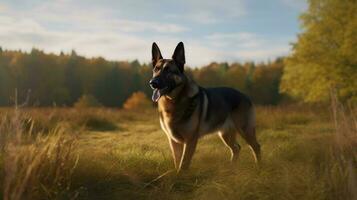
(156, 95)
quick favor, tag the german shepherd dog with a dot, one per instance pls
(188, 111)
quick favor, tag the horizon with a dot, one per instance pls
(124, 31)
(136, 60)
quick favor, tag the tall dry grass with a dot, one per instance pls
(344, 153)
(35, 165)
(306, 155)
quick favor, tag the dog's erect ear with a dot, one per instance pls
(156, 54)
(179, 56)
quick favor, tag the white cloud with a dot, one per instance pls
(56, 26)
(242, 46)
(262, 54)
(211, 12)
(27, 33)
(214, 11)
(64, 12)
(241, 40)
(141, 26)
(3, 8)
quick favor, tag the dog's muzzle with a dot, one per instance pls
(154, 83)
(157, 84)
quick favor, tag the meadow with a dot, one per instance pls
(308, 152)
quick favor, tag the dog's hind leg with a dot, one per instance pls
(177, 150)
(245, 123)
(249, 136)
(229, 139)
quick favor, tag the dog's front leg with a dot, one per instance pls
(177, 149)
(188, 151)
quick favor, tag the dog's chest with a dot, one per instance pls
(176, 129)
(170, 128)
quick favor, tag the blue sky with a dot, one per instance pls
(220, 30)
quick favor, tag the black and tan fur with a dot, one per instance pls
(188, 111)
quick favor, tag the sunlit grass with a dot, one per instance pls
(301, 159)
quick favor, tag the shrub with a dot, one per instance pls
(87, 101)
(98, 123)
(138, 100)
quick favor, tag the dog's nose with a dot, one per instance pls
(154, 83)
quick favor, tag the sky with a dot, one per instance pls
(212, 30)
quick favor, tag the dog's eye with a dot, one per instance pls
(156, 69)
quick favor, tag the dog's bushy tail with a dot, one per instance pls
(251, 117)
(251, 135)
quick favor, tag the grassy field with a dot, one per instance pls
(57, 153)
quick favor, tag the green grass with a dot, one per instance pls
(121, 155)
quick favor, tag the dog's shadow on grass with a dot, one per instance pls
(171, 181)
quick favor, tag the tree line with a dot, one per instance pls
(43, 79)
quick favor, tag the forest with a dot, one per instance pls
(43, 79)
